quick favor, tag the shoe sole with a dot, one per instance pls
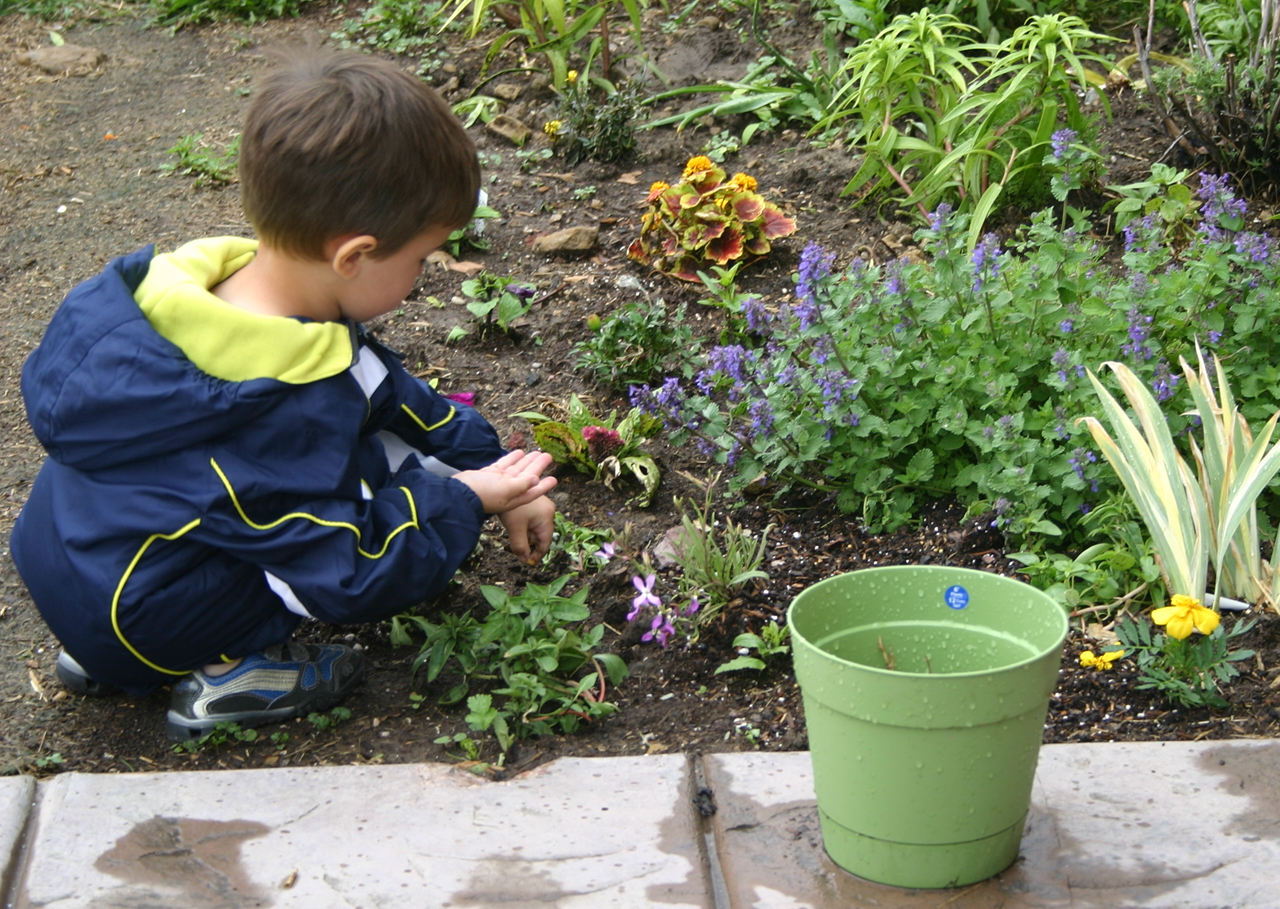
(82, 684)
(179, 728)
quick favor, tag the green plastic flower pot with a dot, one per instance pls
(925, 692)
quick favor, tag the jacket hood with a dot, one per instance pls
(141, 360)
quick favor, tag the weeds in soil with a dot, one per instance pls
(399, 27)
(460, 241)
(586, 548)
(221, 734)
(196, 158)
(592, 445)
(178, 14)
(770, 642)
(325, 722)
(597, 124)
(1190, 672)
(716, 561)
(636, 342)
(495, 300)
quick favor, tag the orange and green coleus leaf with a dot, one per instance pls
(725, 248)
(776, 224)
(703, 232)
(749, 207)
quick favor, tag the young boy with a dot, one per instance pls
(229, 452)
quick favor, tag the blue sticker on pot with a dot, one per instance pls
(956, 597)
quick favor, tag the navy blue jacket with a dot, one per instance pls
(190, 512)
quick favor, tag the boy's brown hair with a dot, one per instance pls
(341, 144)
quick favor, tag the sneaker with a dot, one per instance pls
(72, 675)
(279, 683)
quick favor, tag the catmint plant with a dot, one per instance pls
(966, 375)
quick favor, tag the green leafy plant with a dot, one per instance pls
(706, 219)
(470, 750)
(593, 445)
(1189, 672)
(324, 722)
(178, 14)
(50, 762)
(584, 547)
(636, 342)
(400, 27)
(1165, 199)
(1094, 576)
(970, 120)
(195, 158)
(472, 236)
(715, 562)
(770, 642)
(495, 300)
(219, 735)
(552, 28)
(597, 123)
(535, 644)
(1225, 105)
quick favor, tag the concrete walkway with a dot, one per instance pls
(1153, 825)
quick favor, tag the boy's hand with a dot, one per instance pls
(513, 480)
(529, 528)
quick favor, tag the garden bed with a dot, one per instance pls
(81, 171)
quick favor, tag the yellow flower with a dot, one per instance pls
(552, 128)
(697, 164)
(571, 76)
(1184, 615)
(1101, 661)
(659, 187)
(745, 183)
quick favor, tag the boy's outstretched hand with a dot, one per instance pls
(513, 480)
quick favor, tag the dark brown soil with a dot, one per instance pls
(80, 182)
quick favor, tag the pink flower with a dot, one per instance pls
(462, 397)
(601, 442)
(661, 629)
(646, 596)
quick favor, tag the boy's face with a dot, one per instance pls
(380, 285)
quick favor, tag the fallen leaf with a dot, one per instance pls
(467, 268)
(631, 177)
(36, 686)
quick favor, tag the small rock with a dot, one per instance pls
(569, 240)
(508, 91)
(69, 58)
(666, 554)
(449, 68)
(532, 379)
(441, 258)
(510, 129)
(709, 22)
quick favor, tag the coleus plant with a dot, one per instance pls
(594, 445)
(705, 220)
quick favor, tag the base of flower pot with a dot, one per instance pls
(920, 865)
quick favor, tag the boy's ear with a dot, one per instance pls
(345, 255)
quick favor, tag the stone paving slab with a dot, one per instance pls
(573, 834)
(16, 796)
(1158, 825)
